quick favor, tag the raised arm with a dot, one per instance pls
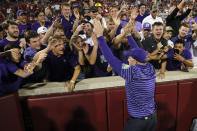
(50, 30)
(115, 63)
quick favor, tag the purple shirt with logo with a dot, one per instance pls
(173, 64)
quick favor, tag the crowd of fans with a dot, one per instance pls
(43, 41)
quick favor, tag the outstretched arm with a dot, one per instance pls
(132, 42)
(115, 63)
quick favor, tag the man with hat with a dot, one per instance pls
(41, 31)
(142, 13)
(99, 7)
(95, 14)
(145, 31)
(167, 34)
(22, 22)
(139, 78)
(153, 17)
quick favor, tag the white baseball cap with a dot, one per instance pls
(42, 30)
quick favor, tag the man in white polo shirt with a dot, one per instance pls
(153, 17)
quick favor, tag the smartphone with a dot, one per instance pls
(176, 51)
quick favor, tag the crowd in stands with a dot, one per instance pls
(55, 41)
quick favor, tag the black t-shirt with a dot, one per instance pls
(150, 44)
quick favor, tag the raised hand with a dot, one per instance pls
(134, 14)
(57, 22)
(98, 28)
(22, 43)
(76, 13)
(85, 49)
(80, 27)
(116, 20)
(51, 44)
(98, 17)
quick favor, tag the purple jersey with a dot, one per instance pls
(173, 64)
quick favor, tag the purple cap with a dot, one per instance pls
(146, 26)
(20, 12)
(137, 53)
(75, 5)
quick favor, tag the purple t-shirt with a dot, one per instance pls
(68, 25)
(188, 41)
(173, 64)
(36, 25)
(4, 42)
(23, 28)
(61, 68)
(140, 18)
(9, 82)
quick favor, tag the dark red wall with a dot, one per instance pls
(10, 113)
(187, 104)
(83, 110)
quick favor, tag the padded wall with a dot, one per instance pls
(82, 111)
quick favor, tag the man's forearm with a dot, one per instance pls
(76, 73)
(188, 63)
